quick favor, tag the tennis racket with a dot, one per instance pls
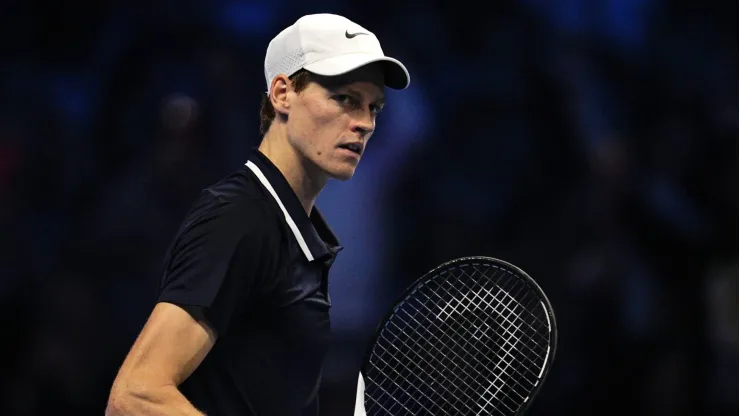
(474, 336)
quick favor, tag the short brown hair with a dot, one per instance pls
(300, 79)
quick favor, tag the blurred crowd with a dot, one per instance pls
(591, 142)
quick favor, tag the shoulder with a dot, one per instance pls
(228, 211)
(212, 213)
(217, 231)
(238, 185)
(236, 200)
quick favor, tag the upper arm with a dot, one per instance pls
(220, 262)
(213, 270)
(169, 348)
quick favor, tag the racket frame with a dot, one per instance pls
(524, 276)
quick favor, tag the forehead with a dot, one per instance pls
(368, 74)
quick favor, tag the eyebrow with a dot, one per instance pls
(379, 101)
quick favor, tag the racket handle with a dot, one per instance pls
(360, 400)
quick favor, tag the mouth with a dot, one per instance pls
(354, 147)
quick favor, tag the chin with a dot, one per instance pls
(342, 174)
(340, 171)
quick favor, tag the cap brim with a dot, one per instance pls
(395, 73)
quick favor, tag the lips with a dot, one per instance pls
(355, 147)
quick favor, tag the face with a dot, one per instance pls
(330, 121)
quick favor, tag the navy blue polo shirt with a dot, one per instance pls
(249, 255)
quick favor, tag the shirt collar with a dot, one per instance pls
(313, 234)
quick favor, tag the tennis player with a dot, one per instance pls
(242, 320)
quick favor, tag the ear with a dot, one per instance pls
(279, 94)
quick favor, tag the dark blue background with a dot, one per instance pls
(591, 142)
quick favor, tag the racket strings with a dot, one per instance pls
(529, 296)
(441, 341)
(476, 347)
(513, 303)
(505, 309)
(509, 337)
(446, 361)
(465, 343)
(429, 380)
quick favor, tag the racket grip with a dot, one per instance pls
(360, 400)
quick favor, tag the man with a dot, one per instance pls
(242, 320)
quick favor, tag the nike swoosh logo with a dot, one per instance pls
(351, 35)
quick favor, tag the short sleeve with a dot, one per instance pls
(219, 261)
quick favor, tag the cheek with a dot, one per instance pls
(319, 126)
(302, 126)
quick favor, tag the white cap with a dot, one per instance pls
(329, 45)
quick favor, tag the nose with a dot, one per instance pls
(364, 124)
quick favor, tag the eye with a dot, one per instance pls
(376, 109)
(344, 99)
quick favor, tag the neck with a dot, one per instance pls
(302, 176)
